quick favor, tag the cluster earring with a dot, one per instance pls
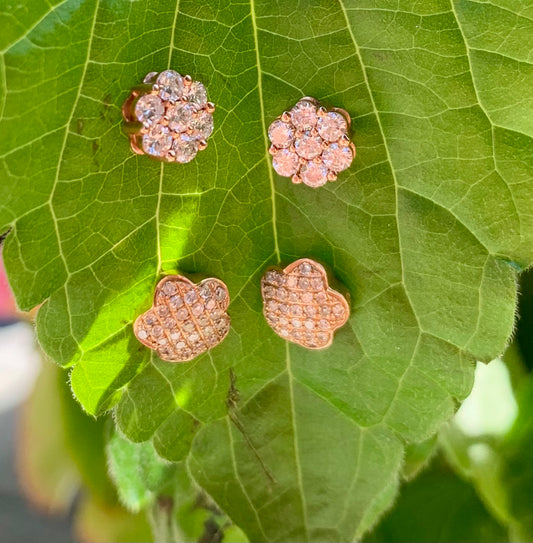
(310, 143)
(168, 117)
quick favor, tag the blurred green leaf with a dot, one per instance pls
(426, 230)
(439, 507)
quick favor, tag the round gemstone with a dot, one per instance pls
(307, 297)
(310, 310)
(293, 297)
(157, 141)
(304, 283)
(169, 324)
(170, 85)
(174, 336)
(321, 297)
(157, 331)
(282, 293)
(169, 288)
(202, 124)
(191, 297)
(182, 314)
(203, 321)
(283, 308)
(193, 338)
(305, 268)
(281, 134)
(271, 277)
(271, 305)
(197, 309)
(180, 345)
(142, 333)
(210, 304)
(316, 283)
(337, 157)
(332, 125)
(324, 311)
(322, 337)
(338, 310)
(323, 324)
(205, 292)
(185, 148)
(150, 319)
(197, 95)
(189, 327)
(304, 115)
(220, 294)
(149, 109)
(297, 323)
(163, 311)
(309, 324)
(176, 301)
(285, 162)
(308, 146)
(268, 291)
(292, 281)
(283, 332)
(313, 174)
(180, 117)
(296, 310)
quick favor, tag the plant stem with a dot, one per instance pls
(161, 516)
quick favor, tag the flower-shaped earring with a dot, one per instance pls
(185, 319)
(168, 117)
(310, 143)
(300, 306)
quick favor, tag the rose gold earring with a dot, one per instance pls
(168, 117)
(300, 306)
(186, 319)
(310, 143)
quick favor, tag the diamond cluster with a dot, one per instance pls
(176, 117)
(310, 143)
(299, 305)
(185, 319)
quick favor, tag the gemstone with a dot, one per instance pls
(170, 85)
(209, 331)
(169, 324)
(202, 124)
(322, 337)
(176, 301)
(307, 297)
(283, 331)
(182, 314)
(268, 291)
(174, 336)
(313, 174)
(306, 268)
(210, 304)
(283, 308)
(337, 157)
(191, 297)
(296, 323)
(303, 283)
(293, 297)
(157, 141)
(205, 292)
(324, 311)
(292, 281)
(308, 146)
(149, 319)
(169, 288)
(181, 345)
(285, 162)
(283, 321)
(317, 283)
(296, 310)
(323, 324)
(185, 148)
(142, 333)
(296, 334)
(163, 311)
(309, 324)
(271, 305)
(203, 321)
(338, 310)
(162, 341)
(220, 294)
(193, 338)
(197, 95)
(188, 327)
(310, 310)
(282, 293)
(332, 125)
(149, 109)
(281, 134)
(149, 78)
(271, 277)
(304, 115)
(321, 297)
(197, 309)
(180, 117)
(157, 331)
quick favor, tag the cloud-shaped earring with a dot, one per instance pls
(300, 306)
(168, 117)
(186, 319)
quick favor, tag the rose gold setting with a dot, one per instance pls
(168, 117)
(317, 136)
(300, 306)
(186, 319)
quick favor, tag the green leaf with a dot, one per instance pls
(438, 506)
(426, 230)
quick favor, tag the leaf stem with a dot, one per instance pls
(162, 521)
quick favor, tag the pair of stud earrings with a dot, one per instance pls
(187, 319)
(169, 118)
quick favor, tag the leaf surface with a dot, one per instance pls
(426, 230)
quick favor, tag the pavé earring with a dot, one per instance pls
(300, 306)
(186, 319)
(168, 117)
(310, 143)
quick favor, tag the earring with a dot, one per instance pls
(310, 143)
(168, 117)
(186, 319)
(300, 306)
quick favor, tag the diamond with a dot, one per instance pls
(163, 311)
(142, 333)
(285, 162)
(305, 268)
(202, 124)
(169, 288)
(296, 310)
(323, 324)
(271, 305)
(283, 308)
(191, 297)
(185, 148)
(316, 283)
(281, 134)
(182, 314)
(308, 146)
(337, 157)
(303, 283)
(197, 309)
(157, 141)
(220, 294)
(193, 338)
(296, 323)
(149, 109)
(338, 310)
(157, 331)
(180, 117)
(321, 297)
(197, 95)
(332, 125)
(324, 311)
(310, 310)
(307, 297)
(313, 174)
(176, 301)
(281, 293)
(170, 85)
(169, 323)
(309, 324)
(304, 115)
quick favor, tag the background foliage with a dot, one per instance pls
(427, 230)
